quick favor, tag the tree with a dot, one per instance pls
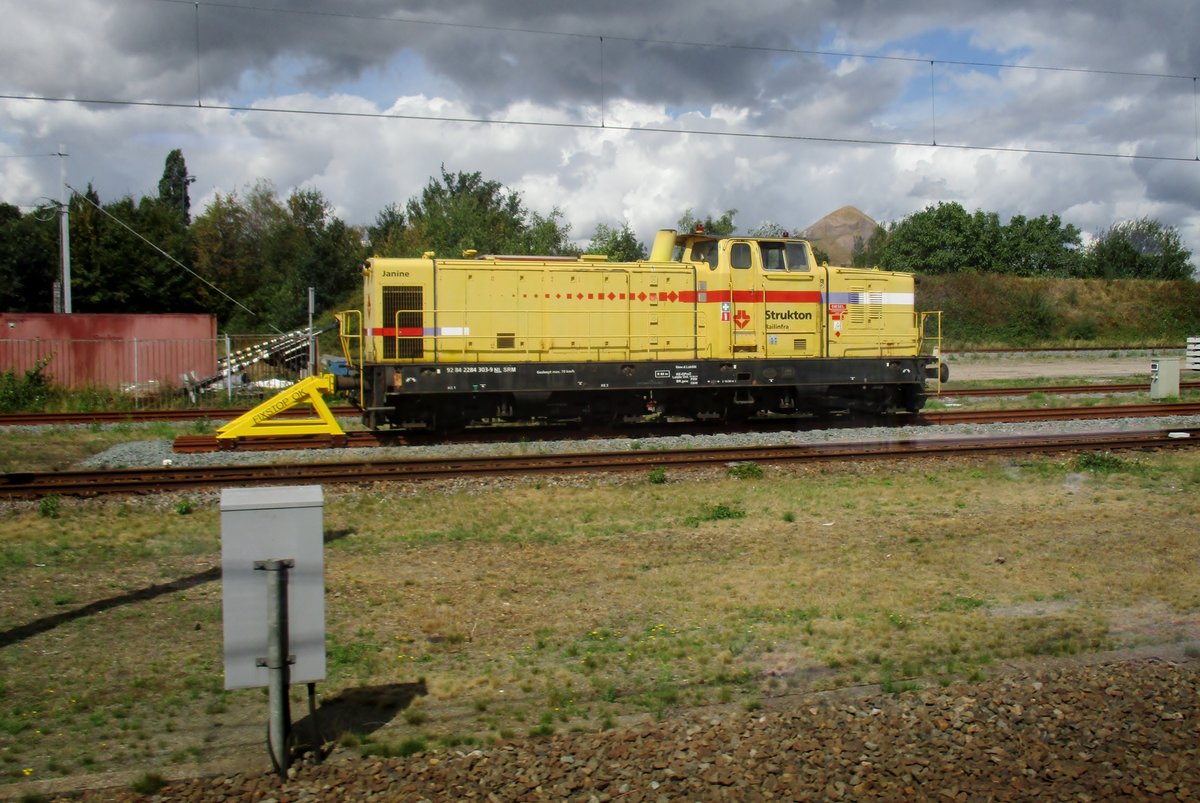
(621, 245)
(263, 254)
(173, 186)
(28, 259)
(721, 227)
(325, 252)
(1041, 246)
(871, 252)
(943, 239)
(769, 228)
(547, 234)
(386, 234)
(463, 211)
(238, 253)
(1139, 249)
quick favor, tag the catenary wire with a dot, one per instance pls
(597, 127)
(197, 4)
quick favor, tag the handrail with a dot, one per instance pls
(350, 334)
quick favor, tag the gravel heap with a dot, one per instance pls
(1125, 730)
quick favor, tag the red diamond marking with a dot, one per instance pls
(611, 296)
(672, 296)
(641, 296)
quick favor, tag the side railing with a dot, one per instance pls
(929, 324)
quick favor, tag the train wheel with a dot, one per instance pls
(913, 398)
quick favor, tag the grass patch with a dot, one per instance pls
(519, 610)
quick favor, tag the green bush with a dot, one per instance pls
(745, 471)
(30, 393)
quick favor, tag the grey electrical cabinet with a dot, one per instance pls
(272, 524)
(1164, 379)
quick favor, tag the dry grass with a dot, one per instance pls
(526, 607)
(59, 448)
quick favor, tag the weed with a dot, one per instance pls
(149, 783)
(545, 727)
(30, 392)
(49, 507)
(658, 476)
(184, 507)
(408, 747)
(960, 604)
(1101, 463)
(745, 471)
(718, 512)
(789, 517)
(890, 686)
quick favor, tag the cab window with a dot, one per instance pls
(739, 255)
(772, 256)
(705, 252)
(797, 256)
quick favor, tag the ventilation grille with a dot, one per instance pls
(506, 341)
(404, 308)
(866, 306)
(800, 344)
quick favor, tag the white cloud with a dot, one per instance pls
(384, 66)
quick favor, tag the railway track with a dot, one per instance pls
(197, 444)
(138, 481)
(1059, 413)
(147, 416)
(1062, 390)
(346, 411)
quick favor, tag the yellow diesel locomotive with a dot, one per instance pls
(706, 328)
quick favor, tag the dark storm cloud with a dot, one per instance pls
(694, 65)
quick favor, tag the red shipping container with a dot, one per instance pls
(111, 351)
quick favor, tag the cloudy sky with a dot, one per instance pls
(621, 110)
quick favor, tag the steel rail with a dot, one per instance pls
(128, 481)
(1060, 413)
(197, 444)
(346, 411)
(146, 416)
(1143, 387)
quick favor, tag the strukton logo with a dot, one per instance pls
(790, 315)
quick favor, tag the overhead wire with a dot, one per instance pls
(598, 127)
(604, 124)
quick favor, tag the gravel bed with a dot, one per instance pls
(1125, 730)
(144, 454)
